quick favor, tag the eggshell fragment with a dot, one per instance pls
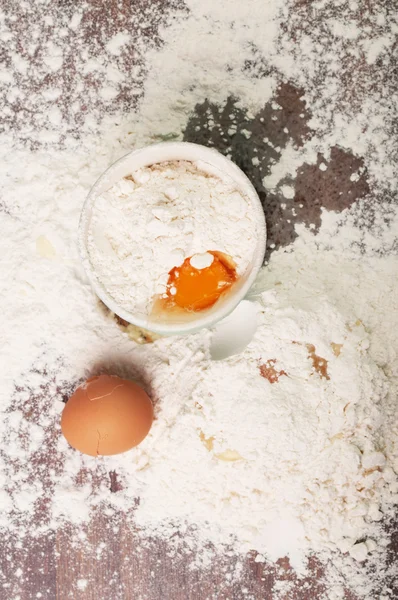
(107, 415)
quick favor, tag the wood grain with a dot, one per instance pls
(112, 562)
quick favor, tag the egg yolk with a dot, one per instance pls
(195, 289)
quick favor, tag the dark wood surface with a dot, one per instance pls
(114, 561)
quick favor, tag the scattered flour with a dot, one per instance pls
(290, 447)
(82, 584)
(153, 220)
(301, 461)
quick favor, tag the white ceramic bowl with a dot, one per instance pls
(157, 153)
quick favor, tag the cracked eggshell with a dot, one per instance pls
(235, 332)
(107, 415)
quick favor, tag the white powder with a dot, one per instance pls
(302, 464)
(275, 492)
(115, 45)
(202, 261)
(82, 584)
(150, 222)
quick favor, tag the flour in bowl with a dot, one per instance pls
(151, 221)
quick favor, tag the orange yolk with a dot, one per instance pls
(197, 289)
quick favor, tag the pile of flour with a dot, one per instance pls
(151, 221)
(304, 461)
(294, 464)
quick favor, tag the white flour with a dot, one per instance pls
(310, 458)
(315, 459)
(144, 226)
(303, 454)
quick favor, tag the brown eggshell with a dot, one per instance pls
(107, 415)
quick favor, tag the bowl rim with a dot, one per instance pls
(205, 155)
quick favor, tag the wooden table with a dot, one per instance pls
(113, 564)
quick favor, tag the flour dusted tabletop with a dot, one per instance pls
(301, 96)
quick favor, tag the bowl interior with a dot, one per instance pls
(207, 158)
